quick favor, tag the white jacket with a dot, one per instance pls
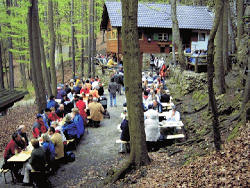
(151, 128)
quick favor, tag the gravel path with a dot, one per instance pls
(95, 154)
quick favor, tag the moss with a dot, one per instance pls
(200, 96)
(235, 132)
(31, 90)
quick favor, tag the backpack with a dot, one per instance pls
(70, 156)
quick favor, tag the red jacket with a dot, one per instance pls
(86, 90)
(10, 149)
(53, 116)
(81, 106)
(38, 128)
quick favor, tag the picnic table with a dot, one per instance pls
(21, 157)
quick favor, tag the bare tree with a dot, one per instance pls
(52, 47)
(35, 55)
(210, 74)
(133, 84)
(177, 38)
(73, 39)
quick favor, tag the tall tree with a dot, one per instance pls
(35, 55)
(240, 12)
(52, 47)
(73, 39)
(91, 36)
(82, 38)
(177, 38)
(210, 74)
(133, 87)
(44, 65)
(11, 66)
(61, 56)
(227, 66)
(219, 59)
(1, 69)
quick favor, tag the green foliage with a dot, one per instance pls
(200, 96)
(235, 132)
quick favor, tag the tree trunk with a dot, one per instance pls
(232, 45)
(210, 74)
(227, 67)
(219, 66)
(82, 39)
(44, 65)
(61, 56)
(86, 51)
(1, 69)
(22, 72)
(73, 39)
(35, 55)
(133, 84)
(90, 43)
(177, 38)
(239, 21)
(11, 66)
(52, 48)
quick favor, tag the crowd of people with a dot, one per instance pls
(65, 118)
(154, 94)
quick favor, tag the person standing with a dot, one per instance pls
(113, 88)
(152, 58)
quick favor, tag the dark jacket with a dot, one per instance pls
(125, 130)
(60, 113)
(113, 88)
(100, 91)
(165, 98)
(38, 159)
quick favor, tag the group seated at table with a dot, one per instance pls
(52, 129)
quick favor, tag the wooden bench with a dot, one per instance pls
(176, 136)
(119, 141)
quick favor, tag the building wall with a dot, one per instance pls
(190, 39)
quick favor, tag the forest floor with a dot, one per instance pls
(192, 163)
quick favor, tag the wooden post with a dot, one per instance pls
(196, 65)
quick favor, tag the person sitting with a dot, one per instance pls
(46, 119)
(52, 115)
(60, 111)
(94, 92)
(101, 89)
(71, 94)
(88, 86)
(77, 119)
(14, 146)
(111, 63)
(85, 89)
(59, 130)
(96, 112)
(69, 128)
(95, 83)
(60, 92)
(175, 115)
(82, 108)
(165, 98)
(21, 130)
(124, 135)
(49, 149)
(90, 98)
(38, 126)
(78, 88)
(52, 103)
(157, 105)
(56, 138)
(152, 130)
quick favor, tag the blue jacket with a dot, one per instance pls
(52, 103)
(49, 149)
(46, 121)
(79, 124)
(70, 128)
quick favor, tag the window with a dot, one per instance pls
(162, 36)
(202, 36)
